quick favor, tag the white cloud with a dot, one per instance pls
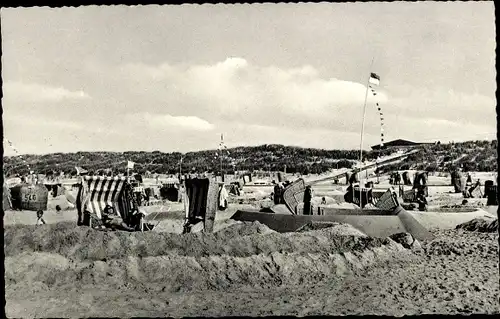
(166, 121)
(448, 105)
(33, 92)
(235, 90)
(20, 121)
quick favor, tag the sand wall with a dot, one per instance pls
(243, 254)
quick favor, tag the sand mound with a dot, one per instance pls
(406, 240)
(231, 228)
(455, 209)
(248, 254)
(474, 244)
(337, 228)
(480, 225)
(60, 200)
(185, 271)
(238, 240)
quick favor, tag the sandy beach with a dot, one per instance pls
(59, 270)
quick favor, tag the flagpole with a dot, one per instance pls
(220, 157)
(361, 142)
(180, 169)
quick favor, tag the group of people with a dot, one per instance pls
(110, 219)
(395, 178)
(279, 189)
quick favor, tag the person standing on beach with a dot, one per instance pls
(281, 200)
(421, 200)
(307, 201)
(277, 194)
(40, 220)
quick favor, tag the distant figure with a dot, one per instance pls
(475, 189)
(421, 200)
(112, 220)
(307, 200)
(58, 209)
(406, 179)
(353, 178)
(323, 201)
(469, 180)
(277, 193)
(456, 180)
(281, 199)
(39, 215)
(397, 178)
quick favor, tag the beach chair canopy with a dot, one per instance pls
(388, 200)
(294, 194)
(96, 192)
(363, 197)
(6, 202)
(202, 195)
(32, 197)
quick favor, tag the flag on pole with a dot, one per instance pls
(130, 165)
(374, 79)
(222, 145)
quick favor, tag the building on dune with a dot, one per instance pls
(398, 144)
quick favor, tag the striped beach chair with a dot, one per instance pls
(293, 195)
(200, 203)
(388, 200)
(97, 192)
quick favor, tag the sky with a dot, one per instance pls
(174, 78)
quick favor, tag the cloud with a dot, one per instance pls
(33, 92)
(20, 121)
(236, 90)
(166, 121)
(448, 105)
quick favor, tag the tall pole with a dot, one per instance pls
(362, 133)
(221, 146)
(221, 172)
(180, 169)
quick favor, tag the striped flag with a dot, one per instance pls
(374, 79)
